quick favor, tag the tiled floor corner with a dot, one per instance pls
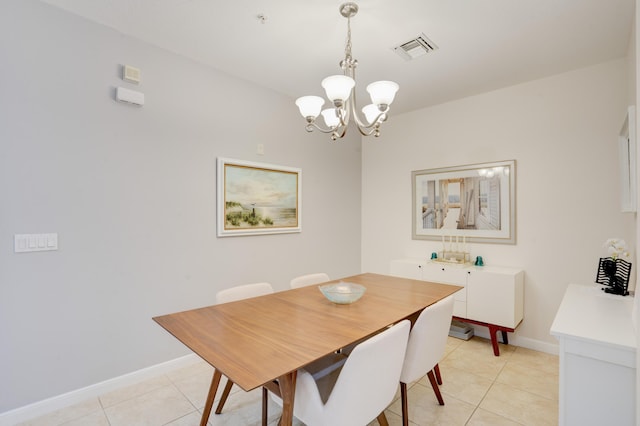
(520, 387)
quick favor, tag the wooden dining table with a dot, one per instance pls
(257, 341)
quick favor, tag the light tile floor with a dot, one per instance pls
(520, 387)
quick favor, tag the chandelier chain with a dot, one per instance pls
(347, 48)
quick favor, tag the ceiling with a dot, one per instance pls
(482, 44)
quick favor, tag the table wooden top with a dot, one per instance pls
(257, 340)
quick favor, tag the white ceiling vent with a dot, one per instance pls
(415, 48)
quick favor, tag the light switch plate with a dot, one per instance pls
(23, 243)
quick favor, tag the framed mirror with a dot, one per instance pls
(627, 155)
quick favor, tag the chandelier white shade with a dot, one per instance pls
(330, 117)
(382, 92)
(370, 112)
(340, 90)
(310, 106)
(338, 87)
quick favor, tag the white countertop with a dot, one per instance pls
(589, 314)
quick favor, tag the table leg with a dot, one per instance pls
(215, 381)
(287, 385)
(225, 395)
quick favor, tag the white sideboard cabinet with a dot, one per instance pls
(492, 296)
(597, 357)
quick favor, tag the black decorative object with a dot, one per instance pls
(614, 273)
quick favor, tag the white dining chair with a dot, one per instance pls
(309, 279)
(426, 346)
(364, 387)
(225, 296)
(243, 292)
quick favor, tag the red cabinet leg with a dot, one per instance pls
(505, 339)
(493, 332)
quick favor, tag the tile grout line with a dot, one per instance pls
(493, 382)
(189, 400)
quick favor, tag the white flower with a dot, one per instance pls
(616, 248)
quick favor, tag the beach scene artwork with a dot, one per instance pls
(259, 198)
(474, 201)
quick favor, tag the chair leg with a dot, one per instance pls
(434, 385)
(225, 395)
(436, 370)
(405, 405)
(382, 419)
(265, 408)
(215, 381)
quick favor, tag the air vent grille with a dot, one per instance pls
(415, 48)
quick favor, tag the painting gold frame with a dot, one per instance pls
(257, 198)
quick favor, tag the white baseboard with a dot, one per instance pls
(525, 342)
(537, 345)
(21, 414)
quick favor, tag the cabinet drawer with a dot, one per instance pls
(444, 274)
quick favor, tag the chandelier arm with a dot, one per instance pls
(345, 116)
(310, 126)
(363, 127)
(364, 132)
(339, 132)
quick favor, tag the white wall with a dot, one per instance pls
(562, 131)
(131, 192)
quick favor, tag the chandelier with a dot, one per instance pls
(340, 90)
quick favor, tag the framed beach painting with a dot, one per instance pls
(473, 203)
(257, 198)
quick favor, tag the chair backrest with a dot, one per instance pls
(243, 292)
(309, 279)
(427, 340)
(369, 378)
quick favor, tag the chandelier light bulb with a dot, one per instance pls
(330, 117)
(382, 92)
(310, 106)
(338, 87)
